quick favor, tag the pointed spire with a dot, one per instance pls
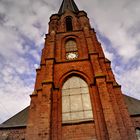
(68, 4)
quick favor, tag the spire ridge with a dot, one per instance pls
(68, 4)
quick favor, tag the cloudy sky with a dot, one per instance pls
(22, 28)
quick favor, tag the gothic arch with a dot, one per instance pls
(69, 74)
(63, 42)
(76, 101)
(76, 38)
(69, 14)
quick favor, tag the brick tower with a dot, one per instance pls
(76, 96)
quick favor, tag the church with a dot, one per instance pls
(76, 96)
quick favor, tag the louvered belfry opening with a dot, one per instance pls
(69, 26)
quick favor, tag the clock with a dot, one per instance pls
(71, 55)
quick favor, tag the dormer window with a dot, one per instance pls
(69, 24)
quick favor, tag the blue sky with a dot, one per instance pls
(23, 25)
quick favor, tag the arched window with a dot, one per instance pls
(71, 49)
(71, 45)
(76, 104)
(138, 133)
(69, 24)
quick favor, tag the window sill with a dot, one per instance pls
(77, 122)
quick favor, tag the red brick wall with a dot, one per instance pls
(13, 134)
(79, 132)
(110, 113)
(82, 131)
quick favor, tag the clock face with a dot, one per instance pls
(71, 55)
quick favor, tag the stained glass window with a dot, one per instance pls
(76, 104)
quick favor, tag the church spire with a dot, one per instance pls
(68, 4)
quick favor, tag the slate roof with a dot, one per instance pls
(133, 105)
(20, 119)
(68, 4)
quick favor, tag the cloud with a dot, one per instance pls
(21, 39)
(119, 22)
(117, 25)
(22, 28)
(130, 80)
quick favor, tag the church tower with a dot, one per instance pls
(76, 96)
